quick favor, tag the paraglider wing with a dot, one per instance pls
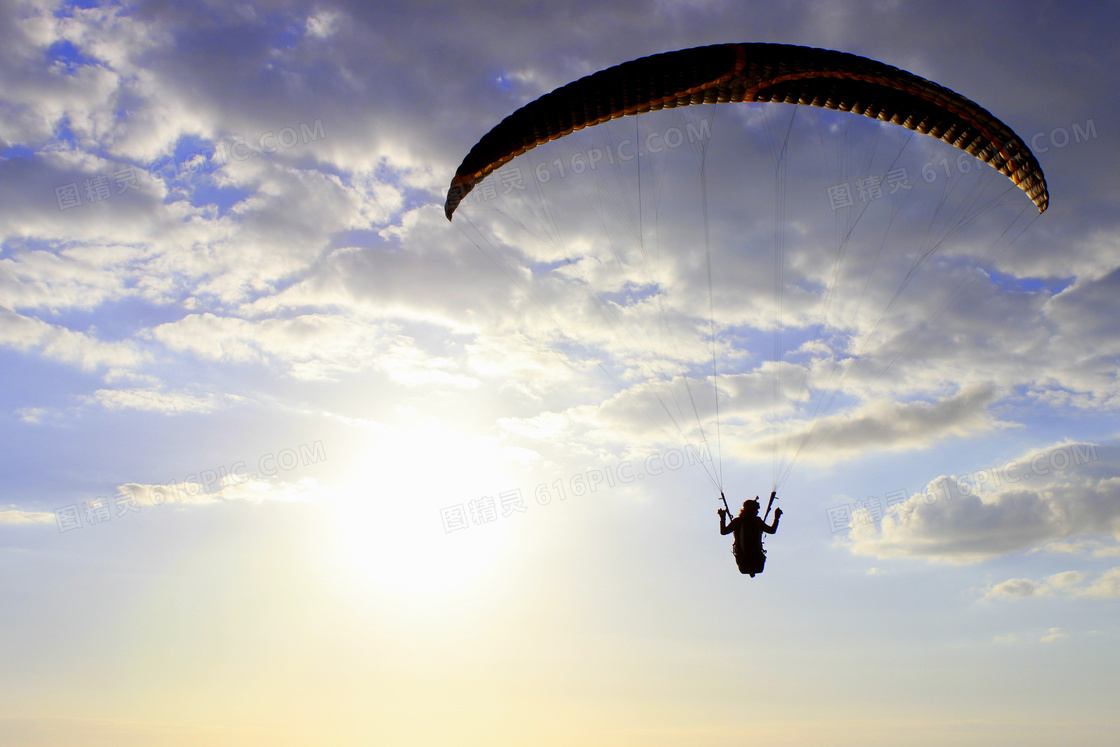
(776, 73)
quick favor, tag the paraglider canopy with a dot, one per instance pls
(777, 73)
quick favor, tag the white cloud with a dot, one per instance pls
(19, 516)
(305, 490)
(152, 400)
(677, 411)
(1017, 587)
(324, 23)
(32, 415)
(58, 343)
(1071, 584)
(965, 519)
(313, 347)
(885, 425)
(234, 486)
(1106, 586)
(1066, 582)
(1052, 635)
(525, 367)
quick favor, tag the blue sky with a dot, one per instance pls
(290, 459)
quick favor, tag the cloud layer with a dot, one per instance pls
(1067, 492)
(192, 225)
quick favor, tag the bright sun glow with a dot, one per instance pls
(389, 512)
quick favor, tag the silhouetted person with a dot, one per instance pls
(748, 529)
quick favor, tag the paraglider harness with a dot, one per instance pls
(749, 560)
